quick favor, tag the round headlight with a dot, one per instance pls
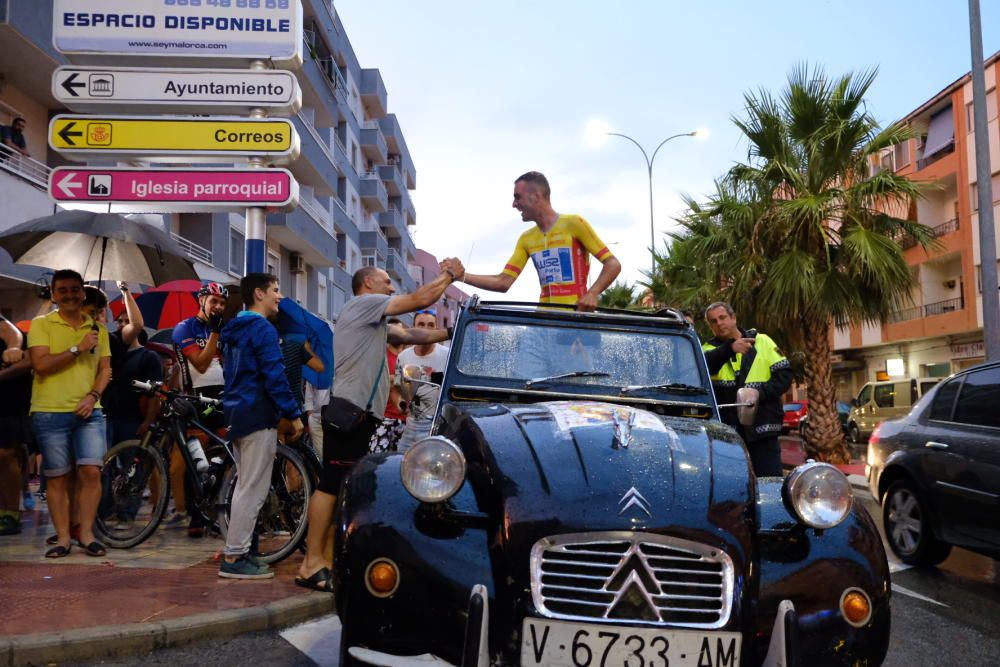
(819, 494)
(433, 470)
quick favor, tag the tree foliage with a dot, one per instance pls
(801, 237)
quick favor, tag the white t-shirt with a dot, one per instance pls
(426, 397)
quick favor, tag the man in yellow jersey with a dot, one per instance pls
(559, 246)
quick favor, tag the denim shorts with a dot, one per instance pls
(65, 440)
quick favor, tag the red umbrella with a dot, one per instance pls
(164, 306)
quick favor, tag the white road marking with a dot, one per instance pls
(319, 640)
(896, 588)
(898, 567)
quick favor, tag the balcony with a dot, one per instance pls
(392, 219)
(393, 178)
(394, 265)
(373, 93)
(906, 241)
(373, 194)
(409, 212)
(343, 224)
(942, 307)
(316, 165)
(374, 242)
(373, 145)
(192, 249)
(300, 232)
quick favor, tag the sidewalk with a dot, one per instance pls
(165, 591)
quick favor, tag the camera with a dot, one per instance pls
(751, 333)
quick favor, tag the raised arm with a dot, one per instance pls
(399, 335)
(135, 322)
(428, 294)
(501, 282)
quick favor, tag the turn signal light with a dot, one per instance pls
(856, 607)
(382, 578)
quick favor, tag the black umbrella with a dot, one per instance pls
(99, 245)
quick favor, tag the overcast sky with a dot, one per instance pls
(485, 91)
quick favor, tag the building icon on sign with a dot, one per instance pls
(101, 85)
(99, 185)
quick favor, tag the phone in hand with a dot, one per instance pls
(751, 333)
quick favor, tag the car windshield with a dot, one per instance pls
(540, 355)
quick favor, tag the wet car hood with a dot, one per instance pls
(578, 466)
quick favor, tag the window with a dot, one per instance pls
(991, 110)
(865, 396)
(273, 262)
(901, 154)
(944, 400)
(368, 259)
(887, 161)
(237, 247)
(976, 403)
(885, 395)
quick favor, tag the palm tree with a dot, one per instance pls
(619, 295)
(802, 237)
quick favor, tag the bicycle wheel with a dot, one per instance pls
(281, 523)
(135, 487)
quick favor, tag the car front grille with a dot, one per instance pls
(635, 577)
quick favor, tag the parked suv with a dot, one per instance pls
(936, 472)
(878, 401)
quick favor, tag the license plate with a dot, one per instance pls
(545, 642)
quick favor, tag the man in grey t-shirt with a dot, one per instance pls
(360, 376)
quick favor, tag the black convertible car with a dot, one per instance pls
(581, 504)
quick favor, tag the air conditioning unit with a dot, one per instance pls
(296, 263)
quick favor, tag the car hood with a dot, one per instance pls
(569, 467)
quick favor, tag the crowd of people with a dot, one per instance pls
(68, 383)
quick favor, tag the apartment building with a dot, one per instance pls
(942, 330)
(355, 171)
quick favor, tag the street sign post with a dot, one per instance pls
(179, 32)
(174, 139)
(152, 90)
(174, 190)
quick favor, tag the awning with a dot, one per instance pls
(940, 133)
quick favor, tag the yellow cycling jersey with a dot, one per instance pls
(561, 256)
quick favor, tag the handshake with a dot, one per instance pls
(453, 267)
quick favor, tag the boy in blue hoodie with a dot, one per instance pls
(259, 405)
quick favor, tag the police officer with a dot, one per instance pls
(738, 358)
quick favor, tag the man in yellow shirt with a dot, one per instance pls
(559, 246)
(71, 357)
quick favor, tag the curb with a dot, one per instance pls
(44, 648)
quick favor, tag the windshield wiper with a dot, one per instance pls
(574, 374)
(672, 387)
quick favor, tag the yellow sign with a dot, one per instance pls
(159, 137)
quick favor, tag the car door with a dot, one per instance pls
(967, 464)
(864, 406)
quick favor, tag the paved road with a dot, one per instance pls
(945, 616)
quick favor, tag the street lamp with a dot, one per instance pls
(649, 169)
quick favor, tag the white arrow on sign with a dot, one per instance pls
(67, 184)
(151, 89)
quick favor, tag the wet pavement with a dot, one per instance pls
(169, 576)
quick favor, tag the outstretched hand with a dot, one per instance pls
(454, 266)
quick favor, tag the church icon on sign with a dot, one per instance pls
(99, 185)
(101, 85)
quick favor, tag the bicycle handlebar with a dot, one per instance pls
(156, 386)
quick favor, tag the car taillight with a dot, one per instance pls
(874, 439)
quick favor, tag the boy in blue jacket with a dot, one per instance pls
(259, 405)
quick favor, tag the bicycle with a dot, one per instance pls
(136, 481)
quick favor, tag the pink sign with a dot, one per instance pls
(175, 190)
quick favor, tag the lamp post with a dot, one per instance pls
(649, 169)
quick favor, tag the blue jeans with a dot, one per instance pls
(65, 440)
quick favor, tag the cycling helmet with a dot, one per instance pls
(209, 289)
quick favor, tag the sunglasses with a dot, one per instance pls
(426, 311)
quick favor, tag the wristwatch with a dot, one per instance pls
(75, 350)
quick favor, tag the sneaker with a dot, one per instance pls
(175, 520)
(244, 568)
(9, 525)
(29, 500)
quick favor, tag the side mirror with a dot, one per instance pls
(855, 402)
(749, 398)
